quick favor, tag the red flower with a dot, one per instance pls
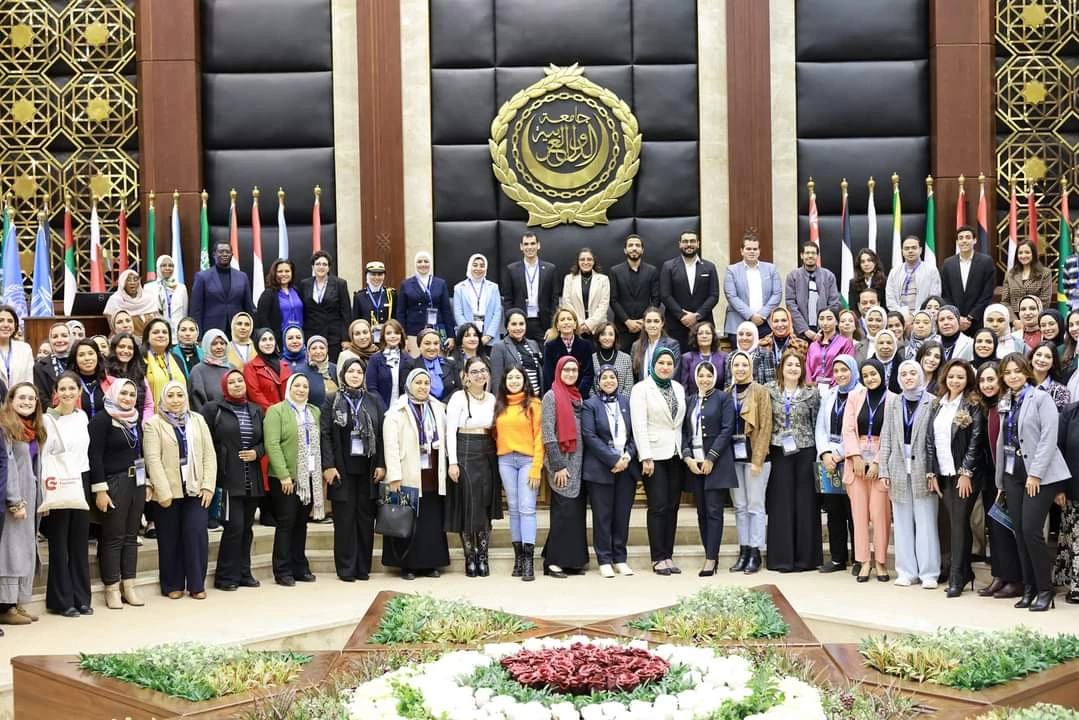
(582, 669)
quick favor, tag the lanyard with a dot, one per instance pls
(531, 278)
(89, 390)
(908, 275)
(167, 366)
(739, 423)
(873, 411)
(838, 407)
(376, 305)
(612, 417)
(183, 436)
(478, 294)
(698, 421)
(777, 351)
(826, 364)
(306, 423)
(132, 437)
(1013, 417)
(168, 304)
(787, 398)
(908, 416)
(7, 363)
(422, 416)
(355, 408)
(426, 288)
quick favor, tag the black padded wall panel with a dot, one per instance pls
(863, 101)
(484, 51)
(267, 120)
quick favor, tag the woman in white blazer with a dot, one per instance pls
(16, 357)
(657, 406)
(588, 292)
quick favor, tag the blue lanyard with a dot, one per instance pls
(426, 288)
(873, 411)
(739, 423)
(531, 279)
(168, 304)
(319, 295)
(479, 294)
(355, 408)
(376, 305)
(90, 394)
(612, 417)
(908, 275)
(838, 407)
(777, 351)
(787, 397)
(908, 416)
(1013, 418)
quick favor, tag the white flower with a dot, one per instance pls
(564, 711)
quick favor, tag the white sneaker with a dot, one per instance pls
(606, 571)
(903, 582)
(929, 584)
(623, 569)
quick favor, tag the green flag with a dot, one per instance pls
(151, 241)
(930, 228)
(204, 236)
(1065, 250)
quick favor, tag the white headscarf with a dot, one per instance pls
(468, 268)
(418, 256)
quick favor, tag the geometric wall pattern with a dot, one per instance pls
(68, 123)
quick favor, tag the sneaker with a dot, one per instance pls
(606, 571)
(623, 568)
(903, 582)
(930, 584)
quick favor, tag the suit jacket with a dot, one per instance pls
(379, 377)
(965, 443)
(412, 305)
(798, 296)
(1039, 429)
(1068, 442)
(657, 435)
(981, 281)
(212, 307)
(282, 438)
(336, 448)
(599, 299)
(514, 288)
(329, 318)
(581, 349)
(599, 458)
(717, 427)
(364, 309)
(162, 452)
(633, 292)
(675, 294)
(224, 426)
(451, 375)
(736, 290)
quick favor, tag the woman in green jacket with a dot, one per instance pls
(293, 447)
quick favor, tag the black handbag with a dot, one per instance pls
(395, 519)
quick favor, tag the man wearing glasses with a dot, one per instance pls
(220, 292)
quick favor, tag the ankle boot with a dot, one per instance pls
(1043, 601)
(130, 594)
(528, 568)
(518, 559)
(469, 547)
(754, 562)
(1028, 597)
(743, 558)
(988, 591)
(113, 601)
(483, 544)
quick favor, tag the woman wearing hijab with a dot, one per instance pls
(241, 347)
(294, 351)
(320, 372)
(889, 354)
(657, 409)
(78, 330)
(236, 426)
(566, 549)
(187, 350)
(132, 298)
(708, 453)
(88, 370)
(747, 341)
(181, 465)
(750, 443)
(353, 466)
(922, 330)
(266, 374)
(875, 320)
(954, 443)
(48, 368)
(124, 361)
(362, 342)
(386, 368)
(863, 421)
(998, 318)
(587, 291)
(424, 302)
(780, 340)
(118, 482)
(293, 446)
(957, 346)
(122, 322)
(444, 373)
(162, 366)
(205, 380)
(830, 453)
(168, 292)
(476, 300)
(517, 349)
(1030, 309)
(16, 356)
(1051, 327)
(326, 309)
(280, 307)
(414, 433)
(904, 470)
(985, 348)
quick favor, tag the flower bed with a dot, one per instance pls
(1041, 711)
(727, 612)
(428, 619)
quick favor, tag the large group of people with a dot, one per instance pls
(924, 409)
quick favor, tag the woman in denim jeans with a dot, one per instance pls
(519, 446)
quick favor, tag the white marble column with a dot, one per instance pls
(416, 116)
(712, 100)
(346, 140)
(784, 136)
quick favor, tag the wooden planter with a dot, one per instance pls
(1059, 684)
(48, 687)
(368, 624)
(799, 634)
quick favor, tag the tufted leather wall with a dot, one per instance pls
(483, 51)
(863, 109)
(267, 120)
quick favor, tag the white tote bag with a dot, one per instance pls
(61, 479)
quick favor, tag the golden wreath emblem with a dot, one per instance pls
(565, 149)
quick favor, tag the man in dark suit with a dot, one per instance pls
(689, 289)
(634, 287)
(967, 281)
(532, 285)
(220, 292)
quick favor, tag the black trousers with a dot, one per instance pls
(182, 545)
(612, 503)
(1028, 515)
(68, 585)
(534, 330)
(234, 551)
(794, 534)
(840, 526)
(960, 536)
(354, 529)
(626, 338)
(663, 490)
(290, 534)
(709, 514)
(1003, 555)
(118, 548)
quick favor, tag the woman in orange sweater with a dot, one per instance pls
(519, 444)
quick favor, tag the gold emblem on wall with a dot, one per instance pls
(565, 149)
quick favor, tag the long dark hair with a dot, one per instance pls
(136, 367)
(99, 369)
(641, 343)
(931, 382)
(1036, 266)
(501, 397)
(271, 276)
(1054, 373)
(876, 278)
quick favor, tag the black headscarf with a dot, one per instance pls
(273, 359)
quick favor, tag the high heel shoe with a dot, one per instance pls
(882, 573)
(864, 578)
(1028, 597)
(1043, 601)
(855, 568)
(955, 588)
(997, 584)
(660, 569)
(743, 558)
(709, 572)
(1072, 598)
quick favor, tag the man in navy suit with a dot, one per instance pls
(532, 285)
(220, 292)
(753, 289)
(689, 289)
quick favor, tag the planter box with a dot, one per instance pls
(799, 634)
(1059, 684)
(368, 624)
(48, 687)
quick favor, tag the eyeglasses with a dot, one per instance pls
(478, 371)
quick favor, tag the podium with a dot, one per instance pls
(36, 329)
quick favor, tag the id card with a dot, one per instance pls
(1009, 460)
(868, 453)
(836, 440)
(425, 461)
(477, 320)
(790, 447)
(741, 447)
(532, 310)
(140, 472)
(432, 316)
(376, 334)
(823, 384)
(312, 464)
(357, 444)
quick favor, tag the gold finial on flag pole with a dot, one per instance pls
(810, 185)
(281, 195)
(205, 197)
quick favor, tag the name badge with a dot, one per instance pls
(1009, 460)
(836, 439)
(823, 384)
(477, 320)
(140, 472)
(790, 447)
(868, 453)
(532, 310)
(425, 461)
(741, 447)
(432, 316)
(357, 444)
(376, 333)
(312, 464)
(185, 473)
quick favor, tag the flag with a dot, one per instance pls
(234, 231)
(847, 264)
(258, 280)
(204, 234)
(983, 217)
(151, 241)
(71, 282)
(897, 224)
(1013, 228)
(961, 205)
(97, 272)
(1032, 217)
(177, 243)
(282, 228)
(930, 224)
(316, 223)
(14, 293)
(41, 284)
(1065, 252)
(122, 260)
(814, 218)
(7, 224)
(871, 214)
